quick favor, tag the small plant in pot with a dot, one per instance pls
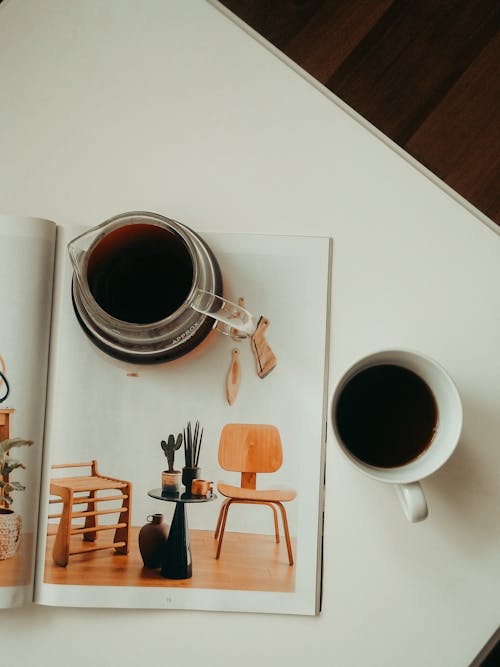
(171, 478)
(192, 446)
(10, 522)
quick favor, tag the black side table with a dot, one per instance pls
(176, 560)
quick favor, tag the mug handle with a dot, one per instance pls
(412, 499)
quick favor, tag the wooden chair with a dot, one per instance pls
(251, 449)
(83, 490)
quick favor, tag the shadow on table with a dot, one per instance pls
(466, 488)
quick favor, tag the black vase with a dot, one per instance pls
(188, 474)
(152, 538)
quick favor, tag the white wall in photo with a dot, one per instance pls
(98, 410)
(26, 263)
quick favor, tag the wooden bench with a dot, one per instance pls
(84, 490)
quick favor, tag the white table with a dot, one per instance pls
(171, 107)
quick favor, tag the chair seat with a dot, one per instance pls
(78, 484)
(264, 495)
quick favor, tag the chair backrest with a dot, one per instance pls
(86, 464)
(250, 448)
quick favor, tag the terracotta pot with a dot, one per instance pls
(152, 539)
(171, 481)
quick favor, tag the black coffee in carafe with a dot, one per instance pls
(140, 273)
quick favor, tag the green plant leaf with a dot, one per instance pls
(11, 486)
(8, 444)
(9, 464)
(15, 486)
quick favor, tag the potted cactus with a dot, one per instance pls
(10, 522)
(171, 478)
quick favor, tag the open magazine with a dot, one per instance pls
(90, 514)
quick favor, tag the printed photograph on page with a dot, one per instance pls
(192, 481)
(26, 259)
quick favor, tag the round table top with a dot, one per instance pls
(180, 497)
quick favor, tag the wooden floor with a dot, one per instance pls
(425, 73)
(16, 571)
(248, 562)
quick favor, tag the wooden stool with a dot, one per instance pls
(83, 490)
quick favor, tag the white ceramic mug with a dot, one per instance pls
(405, 478)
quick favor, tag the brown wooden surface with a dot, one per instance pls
(251, 562)
(16, 571)
(5, 415)
(250, 448)
(66, 490)
(233, 378)
(265, 359)
(425, 73)
(464, 131)
(256, 495)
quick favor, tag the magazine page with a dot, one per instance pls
(27, 248)
(117, 529)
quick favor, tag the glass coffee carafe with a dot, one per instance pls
(148, 289)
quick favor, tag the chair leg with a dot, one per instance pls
(60, 551)
(223, 527)
(221, 523)
(276, 527)
(123, 534)
(90, 521)
(287, 534)
(219, 520)
(275, 513)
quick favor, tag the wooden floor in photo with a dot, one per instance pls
(16, 571)
(248, 562)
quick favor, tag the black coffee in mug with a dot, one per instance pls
(140, 273)
(386, 415)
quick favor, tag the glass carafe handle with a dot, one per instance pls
(234, 317)
(238, 322)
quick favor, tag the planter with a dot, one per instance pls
(152, 539)
(10, 533)
(188, 474)
(171, 481)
